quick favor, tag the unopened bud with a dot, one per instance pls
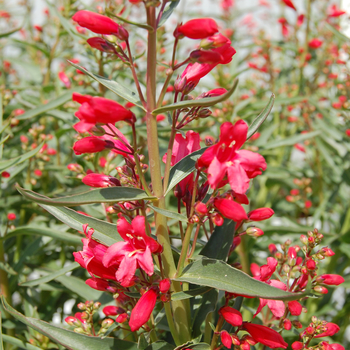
(96, 305)
(254, 231)
(297, 324)
(81, 306)
(107, 323)
(79, 330)
(320, 289)
(97, 130)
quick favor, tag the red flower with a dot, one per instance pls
(101, 284)
(265, 335)
(112, 310)
(329, 279)
(294, 307)
(334, 11)
(100, 180)
(11, 216)
(205, 56)
(231, 315)
(225, 339)
(198, 28)
(96, 23)
(290, 4)
(98, 110)
(260, 214)
(65, 80)
(164, 285)
(225, 159)
(91, 144)
(230, 209)
(331, 329)
(297, 345)
(315, 43)
(101, 44)
(136, 250)
(142, 310)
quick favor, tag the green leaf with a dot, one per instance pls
(189, 293)
(290, 141)
(217, 274)
(6, 267)
(167, 13)
(32, 230)
(140, 25)
(255, 125)
(160, 345)
(336, 32)
(50, 276)
(220, 241)
(117, 88)
(103, 195)
(203, 102)
(169, 214)
(18, 343)
(183, 168)
(7, 163)
(69, 339)
(43, 108)
(4, 139)
(3, 35)
(105, 232)
(1, 336)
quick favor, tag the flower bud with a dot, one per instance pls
(330, 279)
(164, 285)
(254, 232)
(72, 321)
(217, 219)
(205, 56)
(311, 264)
(121, 318)
(81, 306)
(320, 289)
(297, 345)
(197, 28)
(260, 214)
(287, 324)
(107, 323)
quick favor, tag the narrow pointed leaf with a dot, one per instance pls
(105, 232)
(190, 293)
(50, 276)
(167, 13)
(103, 195)
(6, 267)
(169, 214)
(203, 102)
(290, 141)
(160, 345)
(18, 343)
(119, 89)
(125, 20)
(255, 125)
(69, 339)
(32, 230)
(5, 164)
(43, 108)
(3, 35)
(220, 241)
(183, 168)
(217, 274)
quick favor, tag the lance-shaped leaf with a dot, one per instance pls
(103, 195)
(125, 20)
(4, 35)
(168, 11)
(190, 293)
(18, 343)
(290, 141)
(160, 345)
(220, 241)
(255, 125)
(43, 108)
(5, 164)
(119, 89)
(51, 276)
(183, 168)
(69, 339)
(217, 274)
(202, 102)
(104, 231)
(169, 214)
(32, 230)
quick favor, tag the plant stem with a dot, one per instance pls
(216, 333)
(181, 331)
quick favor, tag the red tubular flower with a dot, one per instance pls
(100, 284)
(337, 347)
(100, 180)
(136, 250)
(265, 335)
(230, 209)
(334, 11)
(142, 310)
(231, 315)
(225, 339)
(332, 328)
(214, 41)
(91, 144)
(65, 80)
(98, 110)
(290, 4)
(225, 159)
(198, 28)
(112, 310)
(315, 43)
(297, 345)
(96, 23)
(101, 44)
(205, 56)
(164, 285)
(260, 214)
(294, 307)
(329, 279)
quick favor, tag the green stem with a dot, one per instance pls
(216, 333)
(241, 250)
(181, 331)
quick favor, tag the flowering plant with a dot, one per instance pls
(175, 279)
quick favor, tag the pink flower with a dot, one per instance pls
(329, 279)
(315, 43)
(142, 310)
(265, 335)
(98, 110)
(231, 315)
(96, 23)
(225, 159)
(227, 4)
(290, 4)
(100, 180)
(136, 250)
(198, 28)
(260, 214)
(230, 209)
(65, 80)
(11, 216)
(91, 144)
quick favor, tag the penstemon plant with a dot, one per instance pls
(173, 279)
